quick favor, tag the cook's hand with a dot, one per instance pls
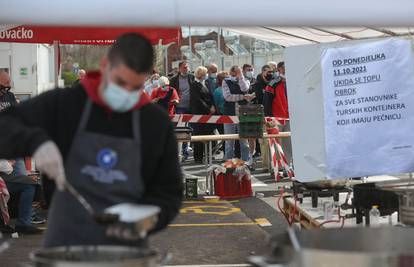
(123, 232)
(155, 100)
(48, 160)
(128, 231)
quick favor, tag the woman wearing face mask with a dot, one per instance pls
(152, 83)
(165, 95)
(201, 103)
(105, 139)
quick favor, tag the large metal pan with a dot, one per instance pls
(92, 256)
(356, 247)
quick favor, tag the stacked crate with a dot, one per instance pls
(251, 120)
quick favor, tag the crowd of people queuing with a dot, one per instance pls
(208, 91)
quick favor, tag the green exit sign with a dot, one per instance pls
(23, 72)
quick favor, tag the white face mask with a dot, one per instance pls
(249, 74)
(119, 99)
(213, 75)
(282, 76)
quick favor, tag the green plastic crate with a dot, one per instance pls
(251, 130)
(250, 118)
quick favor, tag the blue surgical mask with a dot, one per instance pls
(206, 78)
(119, 99)
(234, 79)
(155, 83)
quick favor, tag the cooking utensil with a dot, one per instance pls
(404, 188)
(132, 219)
(101, 218)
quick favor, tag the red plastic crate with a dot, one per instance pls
(228, 186)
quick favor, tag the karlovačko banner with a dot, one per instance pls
(84, 35)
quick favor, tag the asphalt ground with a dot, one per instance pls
(226, 232)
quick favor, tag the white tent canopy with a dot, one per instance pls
(290, 36)
(174, 13)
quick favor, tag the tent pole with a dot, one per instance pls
(166, 59)
(56, 61)
(191, 47)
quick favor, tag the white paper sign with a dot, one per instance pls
(369, 108)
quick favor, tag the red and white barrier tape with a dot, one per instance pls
(277, 150)
(215, 119)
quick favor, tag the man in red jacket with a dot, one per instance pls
(276, 105)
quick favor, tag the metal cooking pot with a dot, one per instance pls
(406, 207)
(356, 247)
(404, 188)
(93, 256)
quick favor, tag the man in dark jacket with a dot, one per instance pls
(105, 139)
(7, 98)
(262, 81)
(182, 83)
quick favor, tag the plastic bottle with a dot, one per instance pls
(374, 216)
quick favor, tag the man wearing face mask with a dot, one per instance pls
(95, 136)
(248, 72)
(235, 89)
(7, 98)
(276, 105)
(182, 82)
(262, 80)
(211, 81)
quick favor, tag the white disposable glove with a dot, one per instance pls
(49, 161)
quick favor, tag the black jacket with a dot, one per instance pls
(7, 100)
(201, 99)
(258, 88)
(175, 81)
(55, 116)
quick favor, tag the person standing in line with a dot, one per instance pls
(165, 95)
(248, 73)
(182, 82)
(262, 80)
(219, 102)
(152, 83)
(235, 92)
(276, 105)
(201, 103)
(211, 81)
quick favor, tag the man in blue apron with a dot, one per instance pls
(105, 138)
